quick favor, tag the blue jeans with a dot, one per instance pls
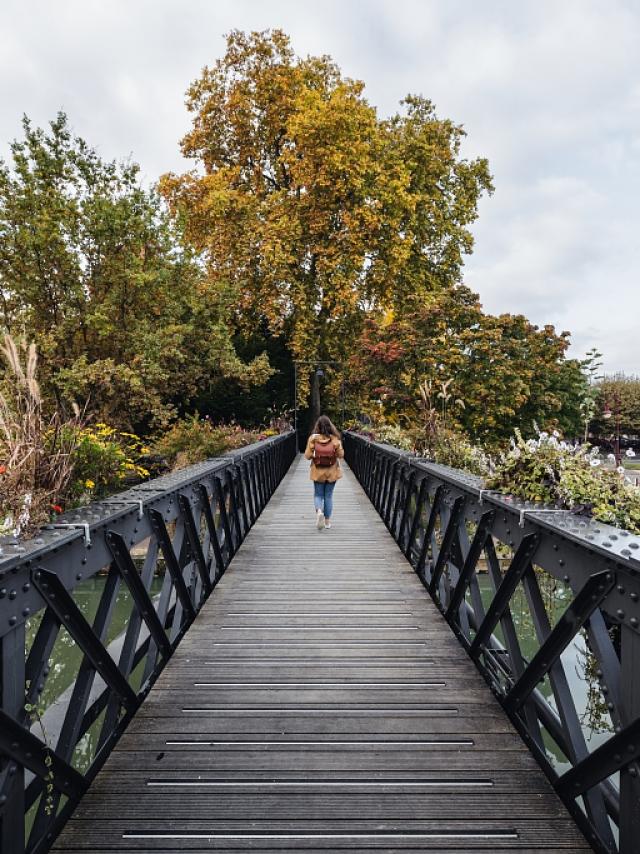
(323, 497)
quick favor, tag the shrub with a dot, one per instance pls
(392, 434)
(450, 448)
(104, 460)
(447, 447)
(194, 439)
(568, 476)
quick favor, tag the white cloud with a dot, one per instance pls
(547, 91)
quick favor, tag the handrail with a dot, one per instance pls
(190, 524)
(447, 524)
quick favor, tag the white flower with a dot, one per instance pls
(532, 444)
(629, 453)
(544, 435)
(611, 457)
(516, 453)
(595, 463)
(620, 469)
(555, 434)
(25, 515)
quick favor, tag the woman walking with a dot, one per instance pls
(324, 449)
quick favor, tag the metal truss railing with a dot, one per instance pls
(451, 529)
(180, 530)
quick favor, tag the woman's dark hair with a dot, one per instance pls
(325, 427)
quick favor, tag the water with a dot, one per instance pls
(579, 665)
(64, 662)
(66, 658)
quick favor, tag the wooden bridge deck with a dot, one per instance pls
(320, 702)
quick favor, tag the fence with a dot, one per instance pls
(450, 528)
(185, 528)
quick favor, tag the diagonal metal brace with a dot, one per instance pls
(416, 516)
(593, 593)
(61, 603)
(127, 569)
(22, 746)
(517, 569)
(617, 752)
(171, 562)
(194, 542)
(473, 556)
(444, 552)
(211, 525)
(431, 524)
(224, 516)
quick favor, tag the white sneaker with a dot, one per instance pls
(327, 523)
(319, 520)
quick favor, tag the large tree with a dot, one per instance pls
(314, 209)
(94, 270)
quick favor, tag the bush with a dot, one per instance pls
(568, 476)
(392, 434)
(450, 448)
(104, 461)
(194, 439)
(447, 447)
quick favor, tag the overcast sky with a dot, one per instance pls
(548, 91)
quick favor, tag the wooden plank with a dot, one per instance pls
(320, 703)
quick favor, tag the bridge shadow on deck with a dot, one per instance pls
(320, 702)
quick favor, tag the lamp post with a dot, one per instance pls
(607, 413)
(319, 365)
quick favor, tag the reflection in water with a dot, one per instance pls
(578, 662)
(66, 656)
(64, 663)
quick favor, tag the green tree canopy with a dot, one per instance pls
(95, 271)
(619, 395)
(506, 371)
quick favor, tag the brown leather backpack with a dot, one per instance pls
(324, 454)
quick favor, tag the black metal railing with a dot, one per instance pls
(178, 532)
(476, 551)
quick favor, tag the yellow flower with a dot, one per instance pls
(89, 484)
(144, 450)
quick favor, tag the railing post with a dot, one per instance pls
(630, 774)
(12, 676)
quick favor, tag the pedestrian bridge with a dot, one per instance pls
(283, 688)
